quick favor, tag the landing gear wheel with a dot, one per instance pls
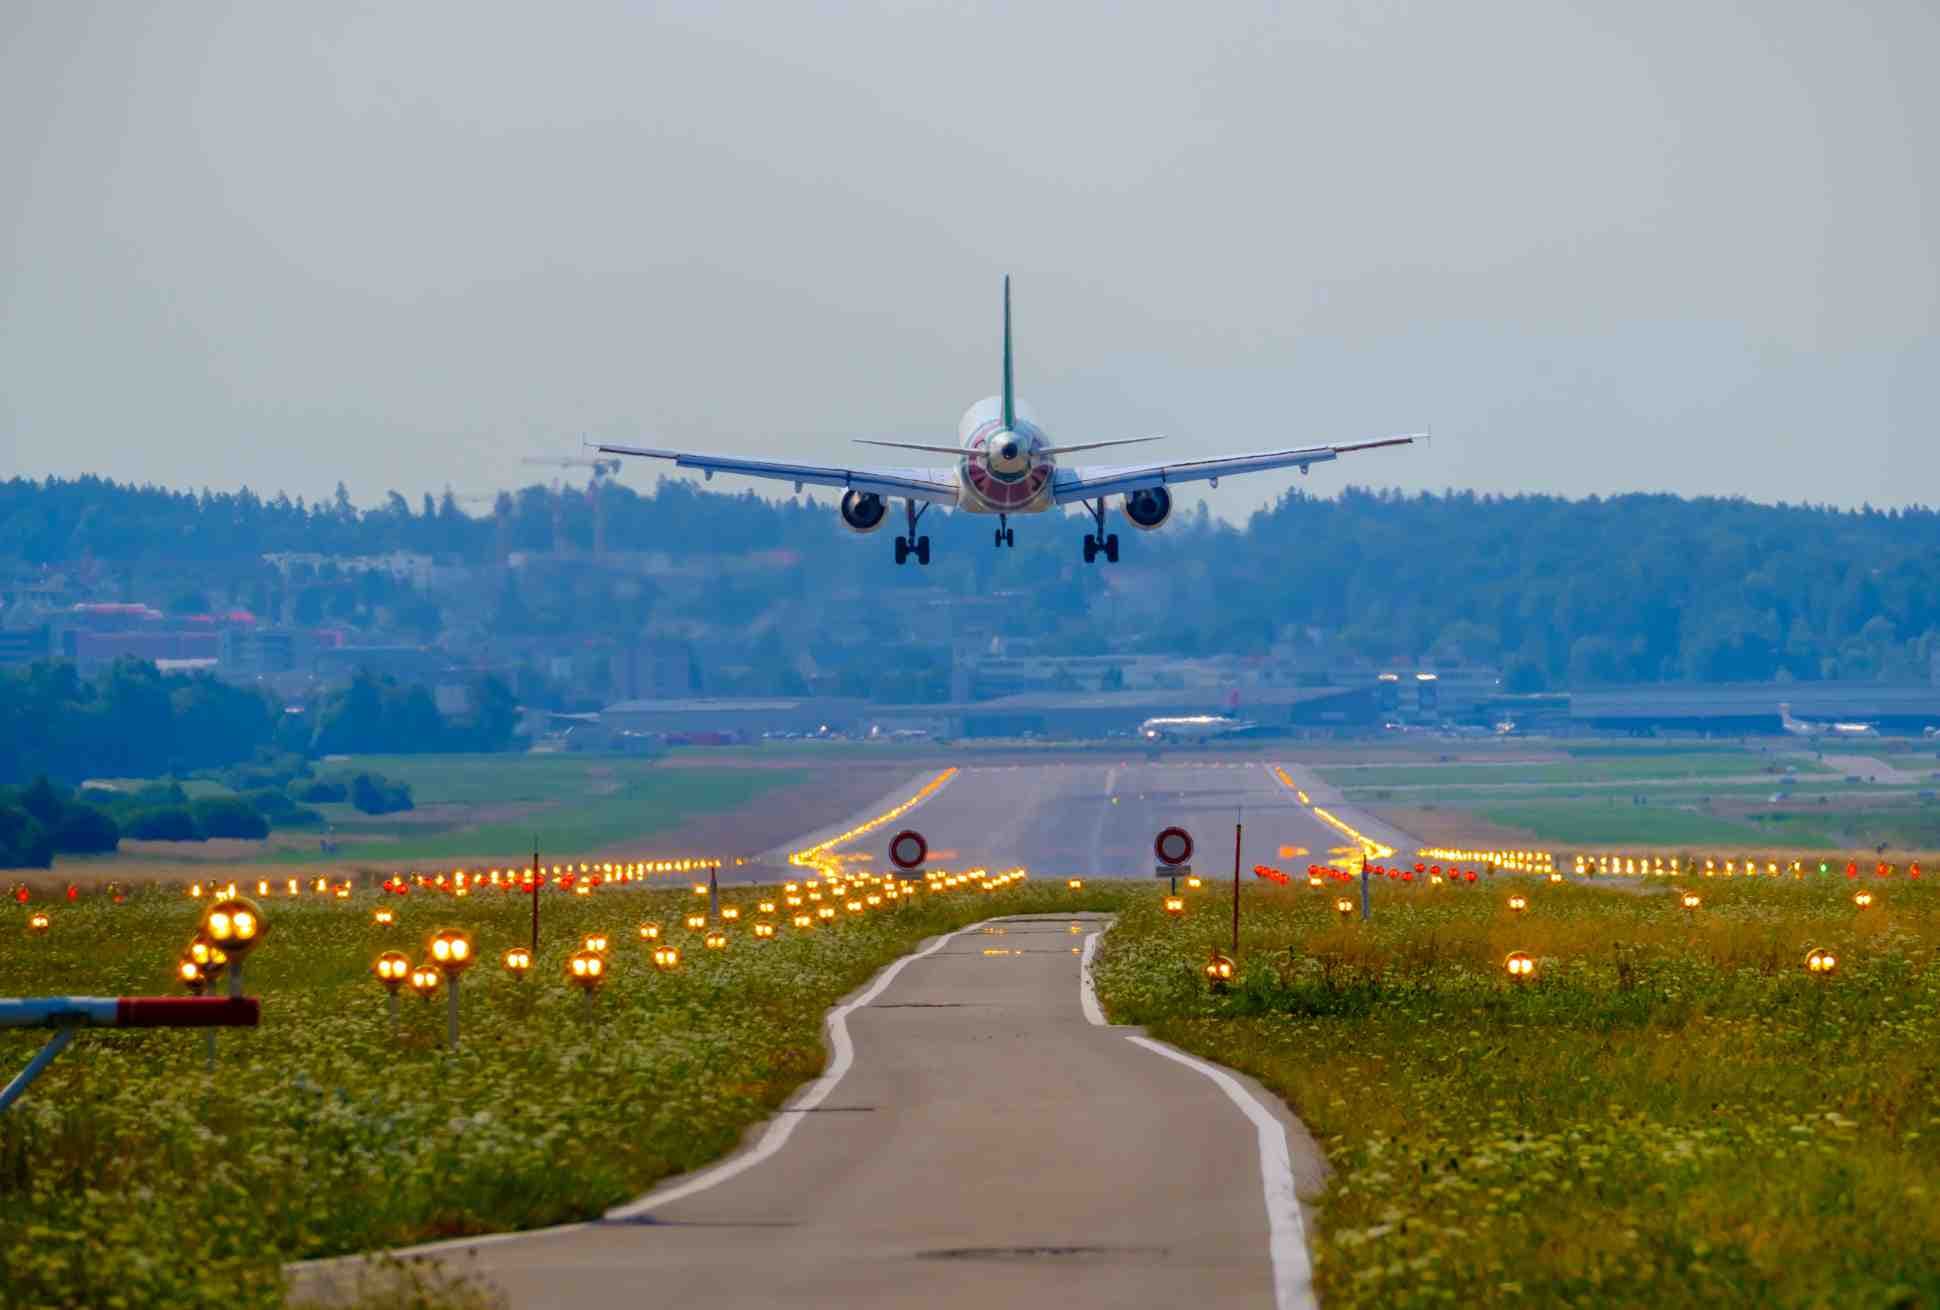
(902, 550)
(999, 536)
(1010, 536)
(1111, 548)
(1091, 550)
(923, 551)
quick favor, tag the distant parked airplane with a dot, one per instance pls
(1809, 728)
(1191, 727)
(1006, 464)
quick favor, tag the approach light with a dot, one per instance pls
(1518, 903)
(586, 970)
(700, 889)
(1521, 968)
(234, 924)
(825, 913)
(696, 922)
(451, 950)
(666, 958)
(1690, 900)
(1556, 875)
(853, 907)
(730, 912)
(1219, 971)
(1076, 884)
(1343, 906)
(517, 961)
(1175, 905)
(424, 980)
(595, 942)
(206, 953)
(649, 932)
(804, 920)
(1820, 962)
(764, 929)
(392, 968)
(715, 941)
(383, 918)
(189, 974)
(1863, 899)
(1195, 882)
(765, 907)
(39, 922)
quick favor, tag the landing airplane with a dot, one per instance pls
(1809, 728)
(1005, 465)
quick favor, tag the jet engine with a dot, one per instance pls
(1008, 457)
(864, 511)
(1148, 508)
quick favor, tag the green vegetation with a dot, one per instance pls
(1671, 1113)
(129, 1176)
(1706, 589)
(498, 805)
(1584, 768)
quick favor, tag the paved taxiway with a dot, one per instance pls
(984, 1141)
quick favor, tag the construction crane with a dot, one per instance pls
(501, 503)
(602, 469)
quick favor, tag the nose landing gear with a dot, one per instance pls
(1098, 542)
(1006, 535)
(911, 544)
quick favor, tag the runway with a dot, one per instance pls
(1097, 819)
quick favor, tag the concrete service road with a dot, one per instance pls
(1085, 819)
(978, 1141)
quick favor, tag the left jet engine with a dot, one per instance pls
(864, 511)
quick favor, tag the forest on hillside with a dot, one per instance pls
(1556, 592)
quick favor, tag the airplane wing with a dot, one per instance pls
(938, 486)
(1091, 483)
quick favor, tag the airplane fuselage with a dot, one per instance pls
(1003, 470)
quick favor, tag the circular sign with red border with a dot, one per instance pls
(1173, 846)
(907, 849)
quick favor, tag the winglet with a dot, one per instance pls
(1010, 395)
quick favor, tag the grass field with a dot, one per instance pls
(1629, 796)
(1671, 1113)
(486, 805)
(130, 1177)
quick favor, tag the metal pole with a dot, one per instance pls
(42, 1058)
(713, 896)
(236, 978)
(1367, 909)
(1236, 832)
(451, 1015)
(535, 900)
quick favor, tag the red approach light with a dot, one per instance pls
(1469, 876)
(1852, 868)
(1418, 867)
(74, 893)
(1882, 871)
(1913, 869)
(1433, 868)
(1407, 877)
(21, 894)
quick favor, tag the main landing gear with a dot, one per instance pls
(911, 544)
(1006, 535)
(1097, 543)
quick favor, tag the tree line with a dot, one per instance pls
(1556, 592)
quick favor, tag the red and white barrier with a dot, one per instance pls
(130, 1012)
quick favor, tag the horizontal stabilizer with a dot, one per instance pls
(1097, 445)
(910, 445)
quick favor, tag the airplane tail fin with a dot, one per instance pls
(1010, 394)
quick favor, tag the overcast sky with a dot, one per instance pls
(1597, 247)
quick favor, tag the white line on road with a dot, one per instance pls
(783, 1125)
(1087, 992)
(1293, 1275)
